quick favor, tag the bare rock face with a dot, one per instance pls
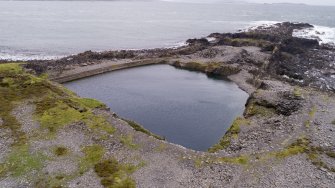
(278, 97)
(299, 61)
(1, 122)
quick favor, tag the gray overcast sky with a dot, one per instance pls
(311, 2)
(314, 2)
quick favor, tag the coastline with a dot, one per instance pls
(285, 137)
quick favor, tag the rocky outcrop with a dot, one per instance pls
(273, 95)
(211, 68)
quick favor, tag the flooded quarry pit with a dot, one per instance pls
(187, 108)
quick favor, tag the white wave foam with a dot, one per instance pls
(263, 24)
(325, 35)
(178, 45)
(211, 39)
(25, 57)
(166, 46)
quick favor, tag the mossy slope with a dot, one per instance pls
(56, 109)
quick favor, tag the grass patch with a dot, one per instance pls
(312, 112)
(140, 128)
(90, 103)
(198, 162)
(213, 66)
(55, 112)
(307, 123)
(11, 68)
(290, 151)
(161, 147)
(56, 107)
(2, 169)
(15, 86)
(114, 174)
(232, 133)
(61, 151)
(236, 126)
(297, 92)
(242, 160)
(246, 42)
(239, 160)
(128, 141)
(195, 66)
(98, 123)
(330, 154)
(255, 109)
(223, 143)
(20, 161)
(93, 155)
(300, 146)
(59, 116)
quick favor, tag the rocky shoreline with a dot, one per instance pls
(286, 137)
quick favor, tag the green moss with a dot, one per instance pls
(307, 123)
(161, 147)
(238, 122)
(11, 68)
(232, 133)
(246, 42)
(238, 160)
(44, 76)
(195, 66)
(290, 151)
(313, 155)
(54, 180)
(96, 122)
(300, 146)
(56, 107)
(331, 154)
(59, 116)
(198, 162)
(106, 168)
(138, 127)
(9, 121)
(211, 67)
(54, 112)
(2, 169)
(242, 160)
(15, 86)
(333, 122)
(114, 174)
(221, 69)
(297, 92)
(129, 141)
(90, 103)
(255, 109)
(61, 151)
(20, 161)
(312, 112)
(224, 143)
(93, 155)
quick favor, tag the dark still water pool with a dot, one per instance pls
(187, 108)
